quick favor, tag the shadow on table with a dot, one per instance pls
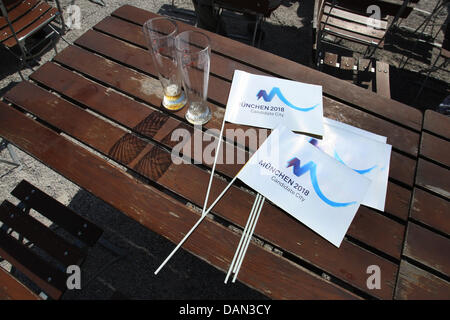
(405, 85)
(184, 277)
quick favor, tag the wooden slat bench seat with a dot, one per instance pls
(13, 289)
(49, 275)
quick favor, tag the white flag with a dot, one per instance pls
(364, 152)
(265, 102)
(313, 187)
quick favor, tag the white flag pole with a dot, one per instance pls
(241, 258)
(245, 235)
(250, 218)
(214, 166)
(195, 226)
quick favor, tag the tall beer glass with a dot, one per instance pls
(193, 53)
(160, 35)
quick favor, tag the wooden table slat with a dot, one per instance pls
(417, 284)
(428, 248)
(13, 289)
(435, 148)
(431, 210)
(437, 123)
(433, 177)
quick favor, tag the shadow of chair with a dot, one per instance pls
(258, 9)
(443, 55)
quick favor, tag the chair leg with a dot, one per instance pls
(258, 20)
(61, 17)
(12, 153)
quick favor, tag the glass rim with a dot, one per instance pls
(147, 23)
(208, 39)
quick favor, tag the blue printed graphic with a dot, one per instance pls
(336, 156)
(315, 143)
(276, 91)
(311, 167)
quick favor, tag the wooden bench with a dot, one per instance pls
(13, 289)
(425, 269)
(48, 274)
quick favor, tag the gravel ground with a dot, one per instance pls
(186, 277)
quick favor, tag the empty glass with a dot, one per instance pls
(160, 34)
(193, 53)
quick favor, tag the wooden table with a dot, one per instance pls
(103, 92)
(424, 273)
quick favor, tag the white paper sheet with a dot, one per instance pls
(363, 151)
(265, 102)
(313, 187)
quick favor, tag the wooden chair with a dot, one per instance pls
(368, 73)
(47, 270)
(259, 8)
(20, 20)
(348, 19)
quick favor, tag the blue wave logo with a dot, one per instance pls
(315, 143)
(276, 91)
(364, 171)
(312, 167)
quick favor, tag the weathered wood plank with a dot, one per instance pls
(12, 289)
(417, 284)
(428, 248)
(431, 210)
(435, 148)
(436, 123)
(163, 214)
(433, 177)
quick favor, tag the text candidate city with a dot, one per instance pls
(316, 189)
(265, 102)
(362, 151)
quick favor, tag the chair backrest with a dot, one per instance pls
(47, 270)
(20, 19)
(387, 7)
